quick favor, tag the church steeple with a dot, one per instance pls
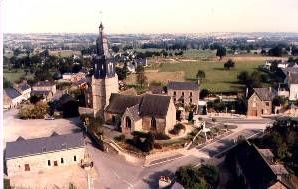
(103, 66)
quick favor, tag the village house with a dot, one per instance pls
(73, 77)
(24, 88)
(40, 154)
(146, 112)
(257, 168)
(292, 81)
(45, 89)
(260, 102)
(11, 98)
(184, 93)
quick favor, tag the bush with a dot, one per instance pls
(229, 64)
(177, 128)
(120, 138)
(204, 177)
(37, 111)
(145, 145)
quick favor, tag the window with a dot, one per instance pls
(182, 101)
(254, 104)
(190, 94)
(153, 123)
(182, 93)
(74, 158)
(62, 161)
(27, 167)
(190, 100)
(49, 162)
(267, 103)
(174, 93)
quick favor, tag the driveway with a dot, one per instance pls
(35, 128)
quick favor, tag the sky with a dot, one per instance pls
(149, 16)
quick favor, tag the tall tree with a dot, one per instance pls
(221, 51)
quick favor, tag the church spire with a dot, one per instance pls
(101, 27)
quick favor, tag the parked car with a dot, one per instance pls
(47, 117)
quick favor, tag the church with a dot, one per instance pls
(126, 113)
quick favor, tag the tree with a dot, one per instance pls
(278, 101)
(263, 52)
(42, 75)
(199, 178)
(229, 64)
(204, 93)
(6, 83)
(221, 51)
(115, 49)
(294, 50)
(276, 51)
(200, 75)
(141, 78)
(250, 80)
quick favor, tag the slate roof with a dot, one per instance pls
(134, 112)
(11, 93)
(23, 86)
(149, 104)
(119, 103)
(154, 105)
(30, 147)
(265, 94)
(257, 170)
(43, 83)
(175, 85)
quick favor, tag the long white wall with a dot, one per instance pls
(39, 162)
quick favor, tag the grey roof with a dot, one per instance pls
(265, 94)
(149, 104)
(134, 112)
(175, 85)
(154, 105)
(12, 93)
(119, 103)
(43, 84)
(23, 86)
(29, 147)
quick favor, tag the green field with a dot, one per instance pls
(217, 78)
(14, 75)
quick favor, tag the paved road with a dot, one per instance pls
(115, 172)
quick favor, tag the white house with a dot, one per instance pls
(292, 81)
(11, 98)
(24, 89)
(40, 154)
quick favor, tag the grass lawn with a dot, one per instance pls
(14, 75)
(217, 78)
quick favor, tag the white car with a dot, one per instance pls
(49, 118)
